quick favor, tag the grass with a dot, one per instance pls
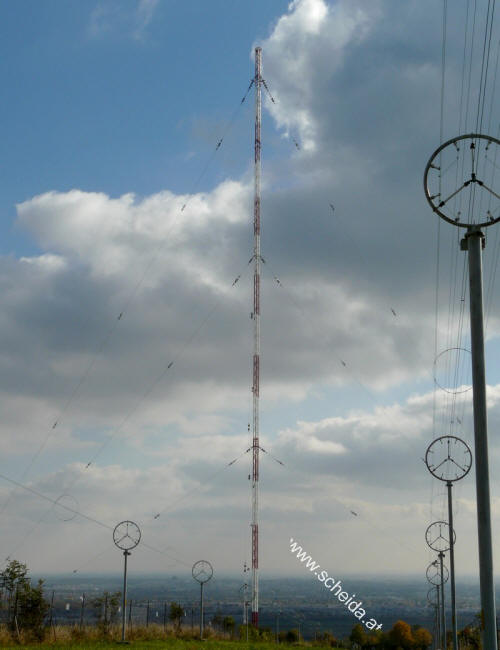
(168, 644)
(141, 638)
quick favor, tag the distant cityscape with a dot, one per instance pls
(286, 603)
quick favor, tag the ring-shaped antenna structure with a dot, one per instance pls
(448, 458)
(66, 507)
(456, 175)
(202, 571)
(433, 573)
(126, 535)
(435, 538)
(447, 390)
(432, 596)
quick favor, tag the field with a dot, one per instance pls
(169, 644)
(139, 637)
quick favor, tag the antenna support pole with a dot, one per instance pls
(473, 243)
(474, 191)
(443, 615)
(449, 486)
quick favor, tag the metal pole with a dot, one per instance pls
(473, 241)
(201, 610)
(256, 350)
(438, 616)
(81, 611)
(164, 616)
(436, 625)
(449, 485)
(124, 602)
(443, 616)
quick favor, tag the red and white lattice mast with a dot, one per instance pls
(256, 351)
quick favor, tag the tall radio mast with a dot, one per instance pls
(256, 350)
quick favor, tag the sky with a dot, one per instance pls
(125, 367)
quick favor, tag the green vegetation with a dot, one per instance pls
(26, 606)
(402, 636)
(176, 614)
(28, 623)
(168, 644)
(106, 610)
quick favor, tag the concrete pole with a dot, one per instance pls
(449, 485)
(473, 241)
(201, 610)
(443, 616)
(124, 601)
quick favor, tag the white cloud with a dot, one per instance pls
(368, 462)
(354, 313)
(110, 16)
(145, 11)
(306, 49)
(46, 262)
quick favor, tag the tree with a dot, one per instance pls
(325, 638)
(12, 577)
(401, 636)
(470, 637)
(256, 633)
(217, 620)
(376, 639)
(292, 636)
(106, 609)
(14, 573)
(358, 635)
(266, 634)
(176, 614)
(26, 604)
(422, 638)
(228, 624)
(32, 608)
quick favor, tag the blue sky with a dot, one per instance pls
(112, 111)
(98, 100)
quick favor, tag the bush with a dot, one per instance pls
(26, 605)
(292, 636)
(106, 610)
(176, 614)
(32, 608)
(325, 638)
